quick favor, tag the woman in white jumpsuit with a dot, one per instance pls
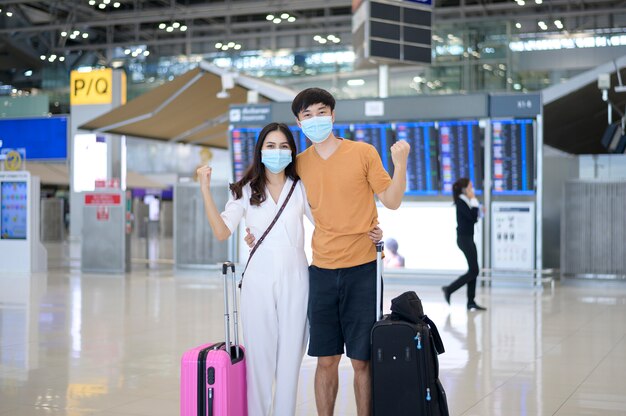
(275, 288)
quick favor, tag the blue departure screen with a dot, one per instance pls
(513, 167)
(243, 142)
(423, 162)
(461, 153)
(43, 138)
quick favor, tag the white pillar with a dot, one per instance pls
(383, 81)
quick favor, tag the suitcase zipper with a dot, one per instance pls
(424, 390)
(210, 400)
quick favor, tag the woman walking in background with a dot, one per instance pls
(466, 216)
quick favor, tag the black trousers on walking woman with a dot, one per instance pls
(467, 246)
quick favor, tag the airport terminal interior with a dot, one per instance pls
(110, 271)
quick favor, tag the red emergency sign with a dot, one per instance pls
(103, 199)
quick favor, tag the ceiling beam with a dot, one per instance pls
(182, 40)
(155, 15)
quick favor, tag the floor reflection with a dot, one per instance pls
(75, 344)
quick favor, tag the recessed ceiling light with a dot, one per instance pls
(237, 47)
(518, 25)
(218, 45)
(64, 34)
(231, 44)
(62, 58)
(291, 19)
(183, 28)
(146, 53)
(126, 51)
(116, 4)
(85, 35)
(169, 29)
(162, 26)
(92, 2)
(106, 1)
(9, 14)
(277, 20)
(102, 5)
(42, 57)
(284, 16)
(175, 25)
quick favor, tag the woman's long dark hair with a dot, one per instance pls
(255, 174)
(457, 188)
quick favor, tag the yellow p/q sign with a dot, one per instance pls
(94, 87)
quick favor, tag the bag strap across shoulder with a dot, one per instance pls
(274, 221)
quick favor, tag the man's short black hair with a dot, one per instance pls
(309, 97)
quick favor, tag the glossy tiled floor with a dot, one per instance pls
(73, 344)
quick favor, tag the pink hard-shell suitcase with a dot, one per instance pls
(212, 380)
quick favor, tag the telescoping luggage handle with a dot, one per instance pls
(228, 265)
(379, 280)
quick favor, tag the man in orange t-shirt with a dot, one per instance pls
(341, 178)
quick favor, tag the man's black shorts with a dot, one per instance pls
(342, 310)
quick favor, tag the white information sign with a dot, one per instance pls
(513, 235)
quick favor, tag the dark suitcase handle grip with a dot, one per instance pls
(228, 265)
(380, 246)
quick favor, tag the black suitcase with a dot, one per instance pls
(405, 367)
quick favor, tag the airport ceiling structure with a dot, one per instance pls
(42, 41)
(64, 34)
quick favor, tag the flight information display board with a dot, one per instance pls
(441, 151)
(301, 141)
(378, 135)
(243, 142)
(461, 153)
(423, 162)
(513, 162)
(13, 210)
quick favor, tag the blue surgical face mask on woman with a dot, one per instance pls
(276, 160)
(317, 129)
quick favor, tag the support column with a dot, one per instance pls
(383, 81)
(93, 94)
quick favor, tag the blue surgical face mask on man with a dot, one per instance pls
(276, 160)
(317, 129)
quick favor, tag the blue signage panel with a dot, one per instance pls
(424, 2)
(43, 138)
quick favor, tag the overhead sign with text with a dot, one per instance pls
(93, 87)
(259, 114)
